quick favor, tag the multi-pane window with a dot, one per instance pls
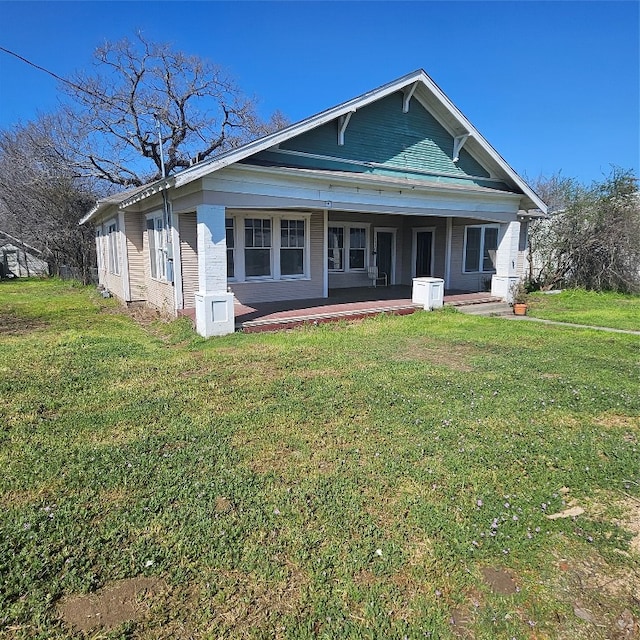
(112, 243)
(480, 245)
(357, 247)
(335, 247)
(257, 247)
(157, 247)
(292, 247)
(99, 256)
(231, 251)
(347, 248)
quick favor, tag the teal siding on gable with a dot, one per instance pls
(382, 133)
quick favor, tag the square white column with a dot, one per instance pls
(506, 260)
(214, 304)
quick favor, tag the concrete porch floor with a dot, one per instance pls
(342, 304)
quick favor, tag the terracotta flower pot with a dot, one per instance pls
(520, 308)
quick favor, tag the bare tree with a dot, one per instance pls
(142, 92)
(592, 238)
(42, 200)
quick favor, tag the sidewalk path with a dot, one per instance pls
(571, 324)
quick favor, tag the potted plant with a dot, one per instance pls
(519, 298)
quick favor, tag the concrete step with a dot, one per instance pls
(486, 309)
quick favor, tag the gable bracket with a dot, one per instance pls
(343, 122)
(458, 143)
(408, 94)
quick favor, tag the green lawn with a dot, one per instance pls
(384, 479)
(608, 309)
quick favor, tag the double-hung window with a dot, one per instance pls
(99, 256)
(336, 248)
(347, 248)
(231, 248)
(257, 247)
(112, 244)
(292, 243)
(480, 245)
(267, 248)
(157, 247)
(357, 247)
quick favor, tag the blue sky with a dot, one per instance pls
(553, 86)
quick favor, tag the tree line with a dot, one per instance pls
(147, 111)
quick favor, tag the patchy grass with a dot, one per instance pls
(607, 309)
(387, 478)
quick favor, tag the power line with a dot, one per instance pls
(37, 66)
(57, 77)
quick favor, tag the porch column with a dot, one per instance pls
(506, 263)
(214, 304)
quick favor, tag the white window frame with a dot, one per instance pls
(99, 254)
(157, 243)
(275, 217)
(233, 250)
(480, 266)
(271, 274)
(113, 248)
(346, 234)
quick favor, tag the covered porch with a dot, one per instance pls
(351, 303)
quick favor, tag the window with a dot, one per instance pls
(348, 240)
(274, 247)
(157, 247)
(357, 247)
(231, 251)
(99, 256)
(480, 245)
(336, 249)
(112, 245)
(292, 247)
(257, 247)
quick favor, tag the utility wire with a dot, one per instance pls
(56, 76)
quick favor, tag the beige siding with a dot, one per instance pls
(158, 294)
(248, 292)
(189, 258)
(135, 225)
(114, 283)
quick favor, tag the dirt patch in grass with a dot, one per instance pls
(605, 597)
(453, 356)
(616, 421)
(499, 581)
(12, 324)
(115, 604)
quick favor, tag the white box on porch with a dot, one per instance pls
(429, 292)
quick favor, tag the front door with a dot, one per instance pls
(385, 249)
(423, 253)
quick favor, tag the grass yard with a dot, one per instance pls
(592, 308)
(391, 478)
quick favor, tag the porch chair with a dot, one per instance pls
(375, 276)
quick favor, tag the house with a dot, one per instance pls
(20, 260)
(396, 179)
